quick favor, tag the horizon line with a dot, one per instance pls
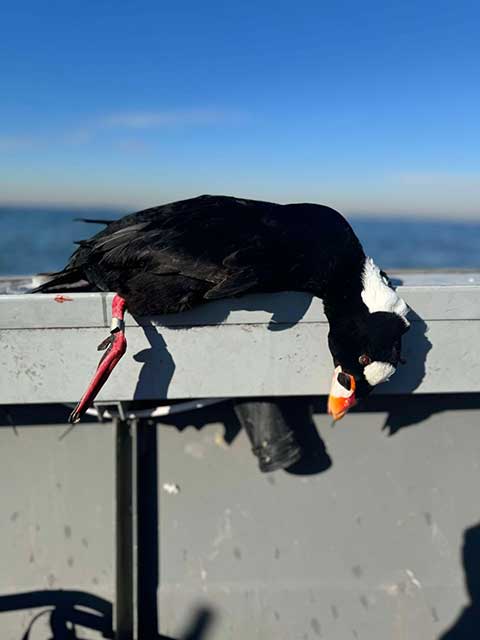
(360, 212)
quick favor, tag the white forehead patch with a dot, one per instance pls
(378, 296)
(377, 372)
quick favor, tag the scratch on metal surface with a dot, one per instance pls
(401, 587)
(224, 531)
(211, 556)
(440, 541)
(203, 576)
(413, 578)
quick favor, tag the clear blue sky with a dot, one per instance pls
(366, 106)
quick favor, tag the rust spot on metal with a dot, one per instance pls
(62, 299)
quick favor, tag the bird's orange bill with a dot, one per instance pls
(342, 394)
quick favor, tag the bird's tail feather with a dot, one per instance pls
(67, 280)
(93, 220)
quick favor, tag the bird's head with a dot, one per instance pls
(366, 351)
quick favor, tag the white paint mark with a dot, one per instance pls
(391, 589)
(171, 488)
(203, 575)
(195, 450)
(413, 579)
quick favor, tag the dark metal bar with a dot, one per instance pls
(147, 548)
(124, 612)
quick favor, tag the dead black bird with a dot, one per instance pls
(176, 256)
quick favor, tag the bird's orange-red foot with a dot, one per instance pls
(115, 346)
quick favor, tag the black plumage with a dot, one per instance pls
(173, 257)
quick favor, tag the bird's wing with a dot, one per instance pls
(163, 251)
(233, 285)
(243, 270)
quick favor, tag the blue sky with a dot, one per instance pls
(366, 106)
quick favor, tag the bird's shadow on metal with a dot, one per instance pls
(159, 367)
(222, 412)
(70, 614)
(467, 625)
(285, 308)
(198, 626)
(315, 459)
(408, 377)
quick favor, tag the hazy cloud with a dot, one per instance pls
(89, 132)
(160, 119)
(441, 178)
(14, 143)
(78, 136)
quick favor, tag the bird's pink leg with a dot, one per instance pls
(115, 346)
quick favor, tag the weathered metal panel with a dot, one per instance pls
(57, 528)
(54, 365)
(38, 311)
(368, 549)
(47, 347)
(366, 543)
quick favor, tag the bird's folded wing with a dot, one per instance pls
(234, 284)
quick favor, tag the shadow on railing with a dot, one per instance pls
(158, 365)
(467, 626)
(72, 613)
(410, 376)
(66, 610)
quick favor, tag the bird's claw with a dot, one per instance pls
(75, 416)
(106, 346)
(105, 343)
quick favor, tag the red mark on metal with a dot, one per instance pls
(63, 299)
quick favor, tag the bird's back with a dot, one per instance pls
(174, 256)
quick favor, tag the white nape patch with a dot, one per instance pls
(378, 296)
(377, 372)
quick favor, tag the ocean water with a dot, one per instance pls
(37, 239)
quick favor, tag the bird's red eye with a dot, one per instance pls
(364, 360)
